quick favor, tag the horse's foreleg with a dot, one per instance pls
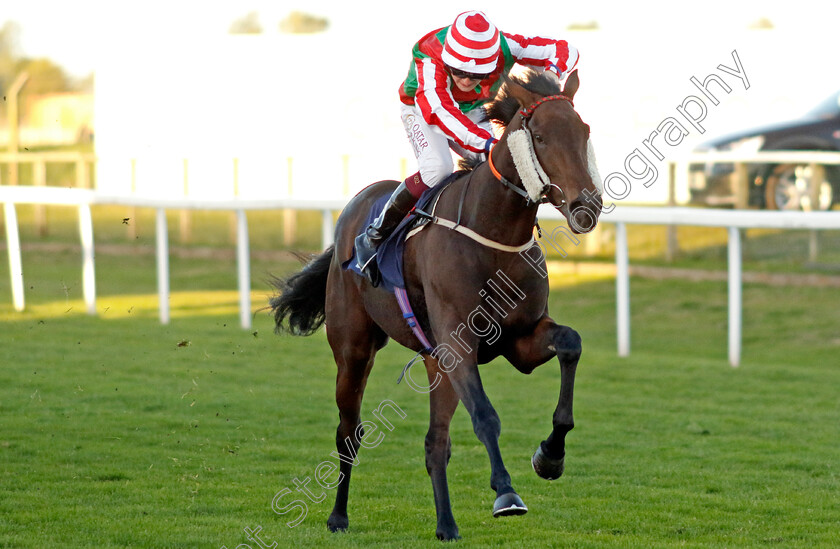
(548, 460)
(487, 427)
(552, 339)
(442, 404)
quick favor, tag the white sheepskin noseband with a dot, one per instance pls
(534, 178)
(592, 167)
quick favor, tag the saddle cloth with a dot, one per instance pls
(389, 254)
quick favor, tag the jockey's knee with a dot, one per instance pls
(436, 170)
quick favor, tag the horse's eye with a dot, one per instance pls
(538, 138)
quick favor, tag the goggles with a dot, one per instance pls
(457, 73)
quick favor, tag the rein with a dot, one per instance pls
(507, 182)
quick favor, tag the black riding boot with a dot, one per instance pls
(398, 206)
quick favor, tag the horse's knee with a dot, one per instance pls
(537, 348)
(486, 423)
(568, 344)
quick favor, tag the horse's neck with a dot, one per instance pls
(491, 209)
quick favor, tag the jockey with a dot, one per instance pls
(454, 72)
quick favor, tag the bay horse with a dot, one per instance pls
(542, 156)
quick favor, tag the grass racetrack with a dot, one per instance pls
(116, 431)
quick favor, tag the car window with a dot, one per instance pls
(828, 108)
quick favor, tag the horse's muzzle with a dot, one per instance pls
(583, 215)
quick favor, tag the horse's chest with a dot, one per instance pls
(509, 300)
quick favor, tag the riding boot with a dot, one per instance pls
(401, 201)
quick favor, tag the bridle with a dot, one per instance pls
(529, 163)
(525, 158)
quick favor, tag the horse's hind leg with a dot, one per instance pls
(352, 377)
(354, 340)
(442, 403)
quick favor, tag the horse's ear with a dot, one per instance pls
(570, 88)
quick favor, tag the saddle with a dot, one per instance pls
(389, 254)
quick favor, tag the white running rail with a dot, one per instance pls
(733, 220)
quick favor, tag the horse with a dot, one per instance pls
(450, 278)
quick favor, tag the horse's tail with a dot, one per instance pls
(300, 306)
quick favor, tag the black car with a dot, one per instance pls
(776, 186)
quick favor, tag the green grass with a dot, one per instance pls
(120, 432)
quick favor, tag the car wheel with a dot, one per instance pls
(789, 187)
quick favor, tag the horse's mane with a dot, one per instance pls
(504, 106)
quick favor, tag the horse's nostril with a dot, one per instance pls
(582, 219)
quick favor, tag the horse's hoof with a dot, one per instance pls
(509, 504)
(338, 523)
(545, 467)
(448, 535)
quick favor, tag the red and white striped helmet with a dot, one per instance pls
(472, 44)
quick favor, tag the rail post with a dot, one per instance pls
(734, 283)
(13, 247)
(243, 265)
(622, 289)
(88, 267)
(162, 245)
